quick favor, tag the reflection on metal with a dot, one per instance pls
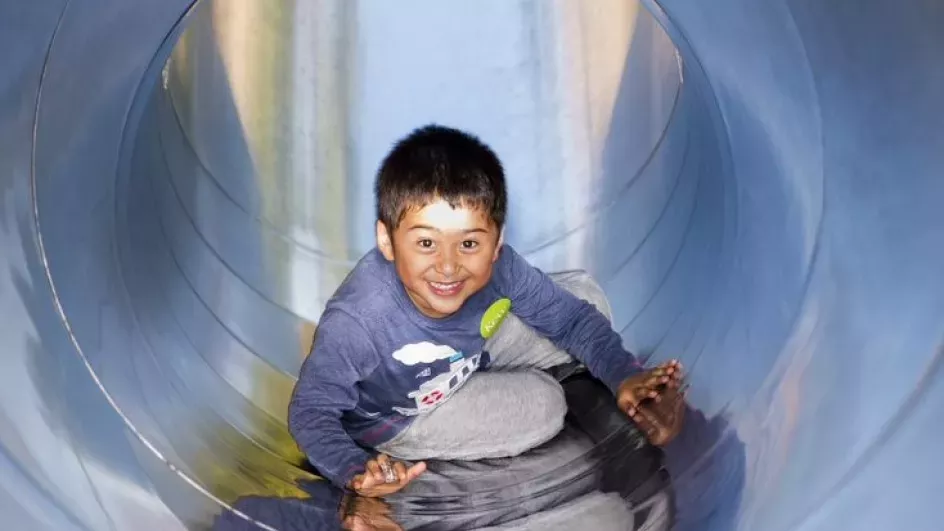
(287, 121)
(259, 90)
(255, 169)
(765, 221)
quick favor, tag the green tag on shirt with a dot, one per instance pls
(493, 317)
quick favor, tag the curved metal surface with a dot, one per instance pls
(178, 200)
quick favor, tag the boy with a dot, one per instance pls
(436, 345)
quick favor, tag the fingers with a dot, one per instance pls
(655, 401)
(674, 383)
(374, 471)
(631, 396)
(661, 383)
(374, 475)
(666, 418)
(666, 375)
(671, 368)
(646, 422)
(644, 393)
(655, 380)
(364, 482)
(663, 428)
(382, 470)
(358, 482)
(385, 476)
(642, 418)
(388, 469)
(399, 470)
(673, 365)
(668, 413)
(396, 471)
(414, 471)
(654, 385)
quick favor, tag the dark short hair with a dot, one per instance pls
(436, 162)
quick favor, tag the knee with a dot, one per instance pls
(548, 402)
(547, 391)
(584, 286)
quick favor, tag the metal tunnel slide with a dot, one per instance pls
(756, 184)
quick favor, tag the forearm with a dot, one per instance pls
(320, 435)
(341, 357)
(589, 337)
(570, 322)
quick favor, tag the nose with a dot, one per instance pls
(447, 264)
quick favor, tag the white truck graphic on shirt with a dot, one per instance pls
(434, 392)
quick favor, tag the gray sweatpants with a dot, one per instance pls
(505, 411)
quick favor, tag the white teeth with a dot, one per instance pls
(444, 287)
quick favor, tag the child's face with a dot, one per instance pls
(443, 255)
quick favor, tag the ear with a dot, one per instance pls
(384, 241)
(498, 246)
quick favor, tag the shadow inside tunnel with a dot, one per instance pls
(707, 463)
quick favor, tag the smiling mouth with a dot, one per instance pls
(446, 289)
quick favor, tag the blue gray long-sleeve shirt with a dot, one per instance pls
(377, 361)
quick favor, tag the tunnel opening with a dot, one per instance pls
(822, 285)
(229, 233)
(248, 194)
(244, 197)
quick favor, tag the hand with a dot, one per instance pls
(384, 477)
(649, 385)
(661, 421)
(648, 390)
(367, 514)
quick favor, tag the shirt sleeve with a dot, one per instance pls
(569, 322)
(341, 357)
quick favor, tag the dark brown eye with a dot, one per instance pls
(425, 243)
(470, 244)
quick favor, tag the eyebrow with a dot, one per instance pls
(434, 229)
